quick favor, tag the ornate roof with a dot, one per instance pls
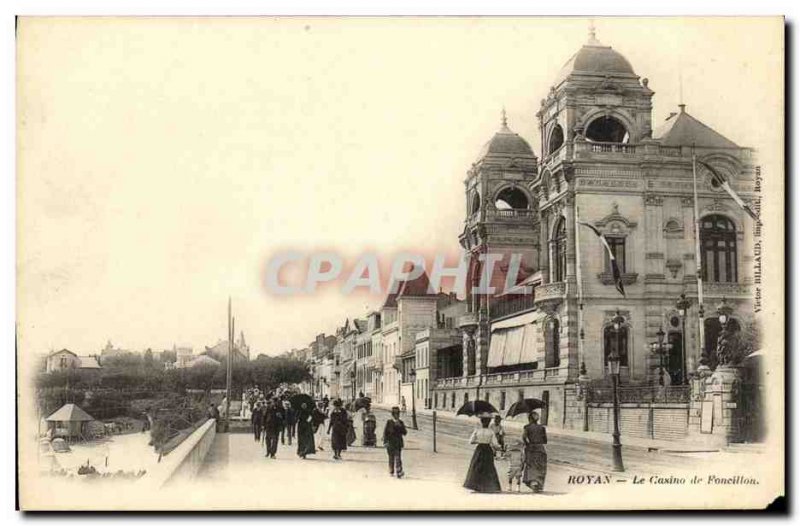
(506, 142)
(593, 58)
(682, 129)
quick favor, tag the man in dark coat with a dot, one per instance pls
(257, 419)
(393, 435)
(273, 421)
(290, 421)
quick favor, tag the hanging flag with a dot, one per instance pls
(612, 259)
(722, 181)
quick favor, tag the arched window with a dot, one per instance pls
(718, 249)
(552, 343)
(607, 129)
(613, 339)
(556, 139)
(559, 252)
(511, 199)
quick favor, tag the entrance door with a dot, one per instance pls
(674, 361)
(546, 407)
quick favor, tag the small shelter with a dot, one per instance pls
(69, 422)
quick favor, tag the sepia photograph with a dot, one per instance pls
(306, 263)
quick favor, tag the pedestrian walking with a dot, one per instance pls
(351, 429)
(393, 435)
(499, 432)
(257, 420)
(305, 432)
(337, 428)
(368, 437)
(272, 425)
(482, 475)
(291, 421)
(534, 436)
(213, 412)
(318, 422)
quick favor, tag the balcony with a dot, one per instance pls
(467, 320)
(550, 292)
(508, 306)
(512, 213)
(591, 149)
(728, 290)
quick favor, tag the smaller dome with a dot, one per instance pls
(506, 142)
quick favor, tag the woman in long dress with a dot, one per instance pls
(534, 436)
(337, 428)
(482, 475)
(305, 432)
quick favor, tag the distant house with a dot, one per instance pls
(66, 359)
(219, 351)
(203, 360)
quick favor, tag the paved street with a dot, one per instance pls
(236, 464)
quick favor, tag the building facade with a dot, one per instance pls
(605, 164)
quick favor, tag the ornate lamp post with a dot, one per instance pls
(412, 376)
(613, 365)
(724, 312)
(683, 305)
(660, 349)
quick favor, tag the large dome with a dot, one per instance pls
(596, 59)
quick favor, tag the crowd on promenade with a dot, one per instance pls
(314, 426)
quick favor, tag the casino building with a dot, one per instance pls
(607, 161)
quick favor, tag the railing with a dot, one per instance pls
(606, 147)
(725, 289)
(511, 305)
(513, 213)
(641, 394)
(670, 151)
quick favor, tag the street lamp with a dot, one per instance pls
(412, 376)
(683, 305)
(724, 312)
(613, 365)
(661, 349)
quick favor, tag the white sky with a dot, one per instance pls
(162, 161)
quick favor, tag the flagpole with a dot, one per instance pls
(228, 371)
(579, 277)
(698, 261)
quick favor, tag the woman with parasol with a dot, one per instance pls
(534, 437)
(482, 475)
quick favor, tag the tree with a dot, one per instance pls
(148, 359)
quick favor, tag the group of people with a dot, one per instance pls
(274, 419)
(527, 458)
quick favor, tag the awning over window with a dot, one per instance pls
(514, 341)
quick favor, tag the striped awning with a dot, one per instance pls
(515, 341)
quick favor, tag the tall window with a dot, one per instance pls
(718, 244)
(559, 251)
(612, 340)
(617, 245)
(552, 343)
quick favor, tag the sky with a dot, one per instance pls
(163, 161)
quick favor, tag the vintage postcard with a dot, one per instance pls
(467, 263)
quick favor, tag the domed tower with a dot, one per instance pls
(594, 123)
(500, 221)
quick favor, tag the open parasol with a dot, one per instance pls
(523, 407)
(299, 399)
(362, 402)
(476, 408)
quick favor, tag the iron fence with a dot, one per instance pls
(646, 394)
